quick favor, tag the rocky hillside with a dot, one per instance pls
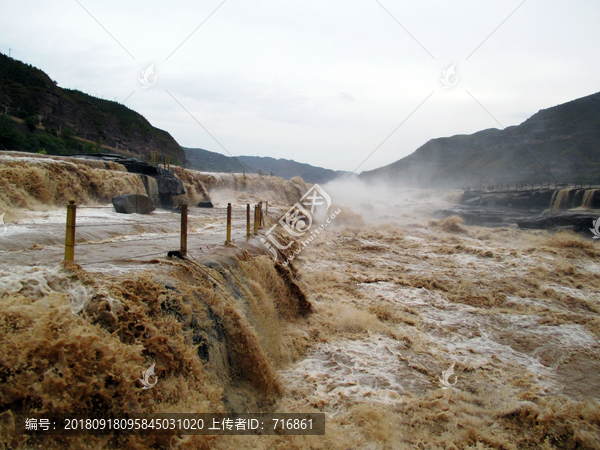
(71, 121)
(561, 143)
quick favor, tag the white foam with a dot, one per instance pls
(473, 338)
(39, 282)
(343, 371)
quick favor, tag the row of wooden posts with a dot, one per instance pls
(158, 159)
(259, 222)
(259, 219)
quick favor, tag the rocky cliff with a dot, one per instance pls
(561, 143)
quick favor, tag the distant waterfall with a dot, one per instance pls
(560, 200)
(574, 198)
(588, 198)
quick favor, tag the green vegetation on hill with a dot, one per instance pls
(24, 86)
(70, 118)
(558, 144)
(27, 137)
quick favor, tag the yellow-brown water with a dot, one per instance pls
(37, 181)
(30, 181)
(395, 299)
(588, 197)
(572, 198)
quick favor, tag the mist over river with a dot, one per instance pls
(361, 326)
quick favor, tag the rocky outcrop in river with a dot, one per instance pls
(161, 184)
(573, 208)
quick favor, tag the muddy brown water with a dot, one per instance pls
(396, 298)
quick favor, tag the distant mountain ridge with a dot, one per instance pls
(70, 118)
(287, 169)
(205, 160)
(561, 143)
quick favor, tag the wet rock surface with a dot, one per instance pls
(574, 209)
(133, 203)
(168, 184)
(535, 199)
(483, 216)
(579, 221)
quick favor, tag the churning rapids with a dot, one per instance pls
(359, 327)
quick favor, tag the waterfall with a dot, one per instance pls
(560, 200)
(578, 199)
(574, 198)
(151, 189)
(553, 201)
(588, 198)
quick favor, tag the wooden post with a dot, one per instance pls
(255, 219)
(266, 208)
(228, 240)
(70, 235)
(260, 215)
(248, 220)
(184, 217)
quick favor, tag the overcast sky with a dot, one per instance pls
(321, 82)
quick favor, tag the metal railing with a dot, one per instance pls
(531, 186)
